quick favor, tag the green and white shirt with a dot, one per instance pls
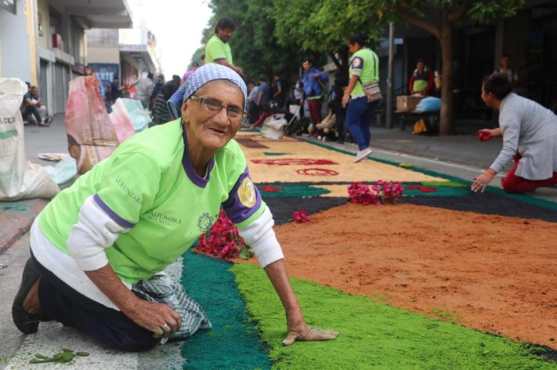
(143, 207)
(217, 49)
(364, 64)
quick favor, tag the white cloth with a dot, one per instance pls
(261, 237)
(531, 130)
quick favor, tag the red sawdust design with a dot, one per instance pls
(270, 189)
(493, 273)
(250, 143)
(293, 162)
(316, 172)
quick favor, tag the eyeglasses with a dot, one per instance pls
(233, 112)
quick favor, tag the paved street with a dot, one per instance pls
(50, 139)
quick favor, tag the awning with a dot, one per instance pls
(99, 13)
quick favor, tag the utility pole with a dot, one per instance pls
(389, 103)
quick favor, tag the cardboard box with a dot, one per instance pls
(406, 103)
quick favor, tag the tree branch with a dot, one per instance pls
(420, 22)
(457, 14)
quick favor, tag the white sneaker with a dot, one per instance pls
(362, 154)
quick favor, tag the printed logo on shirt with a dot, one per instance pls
(205, 222)
(127, 190)
(357, 63)
(163, 219)
(246, 193)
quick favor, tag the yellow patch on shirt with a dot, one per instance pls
(246, 193)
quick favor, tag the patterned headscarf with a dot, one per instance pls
(202, 76)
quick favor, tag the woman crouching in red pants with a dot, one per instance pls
(529, 137)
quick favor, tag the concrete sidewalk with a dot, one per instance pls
(50, 139)
(16, 219)
(16, 349)
(461, 149)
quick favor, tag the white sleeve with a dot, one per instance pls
(94, 231)
(261, 237)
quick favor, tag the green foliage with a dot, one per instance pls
(275, 35)
(487, 11)
(373, 335)
(254, 45)
(471, 10)
(333, 20)
(324, 26)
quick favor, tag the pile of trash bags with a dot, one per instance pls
(93, 134)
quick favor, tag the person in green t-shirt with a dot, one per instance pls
(364, 70)
(136, 212)
(218, 49)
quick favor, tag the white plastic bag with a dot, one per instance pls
(18, 179)
(138, 115)
(63, 171)
(273, 127)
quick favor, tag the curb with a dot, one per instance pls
(16, 219)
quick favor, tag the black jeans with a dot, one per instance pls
(30, 110)
(109, 327)
(340, 114)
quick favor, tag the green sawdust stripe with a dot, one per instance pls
(440, 191)
(373, 335)
(297, 190)
(522, 197)
(233, 343)
(447, 184)
(271, 154)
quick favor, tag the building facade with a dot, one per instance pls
(43, 41)
(17, 40)
(126, 54)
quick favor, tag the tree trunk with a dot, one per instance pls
(447, 100)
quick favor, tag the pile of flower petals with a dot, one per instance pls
(222, 240)
(379, 193)
(300, 216)
(363, 194)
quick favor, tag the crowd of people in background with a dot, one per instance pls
(344, 107)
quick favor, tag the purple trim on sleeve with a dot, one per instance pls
(188, 166)
(234, 209)
(119, 220)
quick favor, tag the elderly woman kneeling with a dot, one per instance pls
(139, 210)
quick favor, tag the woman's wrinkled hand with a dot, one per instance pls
(480, 183)
(156, 317)
(298, 330)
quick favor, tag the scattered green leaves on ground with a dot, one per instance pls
(65, 356)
